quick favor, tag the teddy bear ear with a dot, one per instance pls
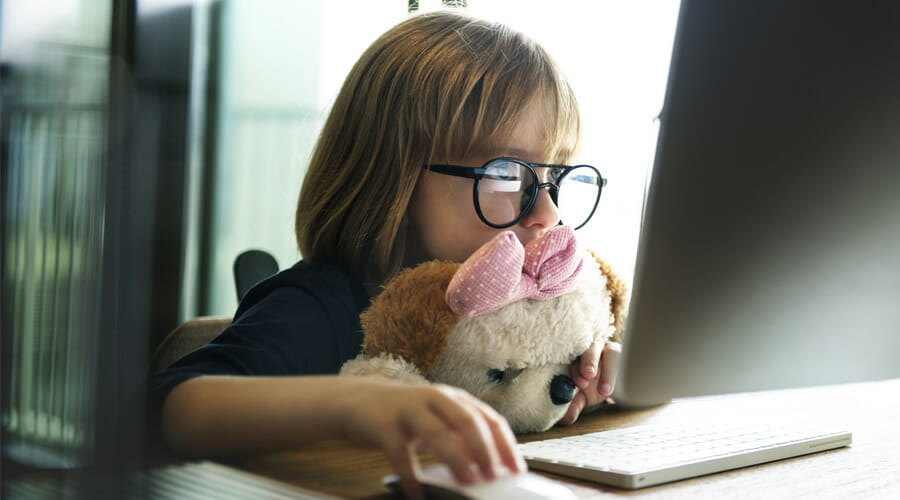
(409, 318)
(618, 297)
(383, 365)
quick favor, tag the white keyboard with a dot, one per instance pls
(646, 455)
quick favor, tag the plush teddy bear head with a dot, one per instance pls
(505, 325)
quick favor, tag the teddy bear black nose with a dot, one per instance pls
(562, 389)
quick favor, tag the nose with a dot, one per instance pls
(544, 213)
(562, 389)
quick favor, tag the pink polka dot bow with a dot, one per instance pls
(502, 271)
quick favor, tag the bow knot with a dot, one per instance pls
(502, 271)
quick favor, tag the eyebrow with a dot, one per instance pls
(520, 154)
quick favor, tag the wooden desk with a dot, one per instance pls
(870, 468)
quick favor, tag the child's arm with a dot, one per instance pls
(225, 415)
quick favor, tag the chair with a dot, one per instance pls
(250, 267)
(185, 338)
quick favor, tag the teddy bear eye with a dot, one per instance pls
(495, 375)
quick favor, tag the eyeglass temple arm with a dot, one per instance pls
(455, 170)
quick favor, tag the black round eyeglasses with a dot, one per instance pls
(505, 190)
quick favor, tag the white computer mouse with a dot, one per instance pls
(438, 482)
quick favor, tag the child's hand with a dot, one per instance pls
(464, 433)
(595, 375)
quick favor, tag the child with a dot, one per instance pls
(386, 188)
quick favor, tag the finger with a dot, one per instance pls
(578, 403)
(441, 440)
(575, 374)
(466, 415)
(504, 439)
(403, 461)
(590, 359)
(609, 368)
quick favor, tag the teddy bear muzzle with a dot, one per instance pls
(562, 389)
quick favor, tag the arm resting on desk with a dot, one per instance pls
(227, 416)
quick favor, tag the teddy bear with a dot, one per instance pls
(505, 325)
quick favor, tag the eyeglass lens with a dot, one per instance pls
(506, 189)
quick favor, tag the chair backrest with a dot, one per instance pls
(251, 267)
(185, 338)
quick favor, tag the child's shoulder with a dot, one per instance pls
(320, 281)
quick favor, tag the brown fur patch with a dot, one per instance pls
(617, 291)
(409, 318)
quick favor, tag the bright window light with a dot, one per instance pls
(282, 66)
(616, 56)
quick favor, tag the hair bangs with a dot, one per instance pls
(515, 75)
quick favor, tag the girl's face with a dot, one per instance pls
(442, 213)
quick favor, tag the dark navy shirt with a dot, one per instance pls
(301, 321)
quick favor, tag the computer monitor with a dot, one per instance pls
(769, 254)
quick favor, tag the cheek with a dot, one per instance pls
(501, 207)
(453, 243)
(445, 222)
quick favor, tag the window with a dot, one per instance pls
(616, 56)
(56, 62)
(281, 63)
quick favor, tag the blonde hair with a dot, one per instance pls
(440, 85)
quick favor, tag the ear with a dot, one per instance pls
(618, 297)
(410, 318)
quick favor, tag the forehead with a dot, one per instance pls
(536, 134)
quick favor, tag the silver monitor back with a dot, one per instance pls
(769, 254)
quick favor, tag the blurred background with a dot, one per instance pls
(146, 143)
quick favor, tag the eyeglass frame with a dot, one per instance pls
(477, 173)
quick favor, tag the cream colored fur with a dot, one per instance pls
(530, 341)
(384, 365)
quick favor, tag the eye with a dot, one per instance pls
(556, 173)
(495, 375)
(503, 170)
